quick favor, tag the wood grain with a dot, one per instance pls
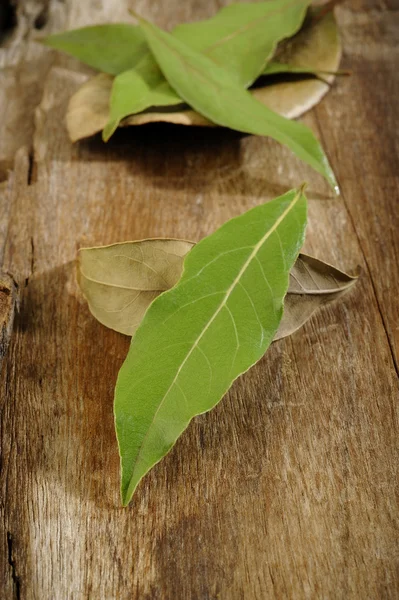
(288, 489)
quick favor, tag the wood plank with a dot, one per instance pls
(287, 488)
(367, 163)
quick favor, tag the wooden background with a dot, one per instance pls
(288, 488)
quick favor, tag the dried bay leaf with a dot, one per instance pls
(120, 281)
(240, 38)
(211, 91)
(198, 337)
(316, 48)
(313, 283)
(88, 109)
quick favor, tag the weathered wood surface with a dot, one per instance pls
(288, 488)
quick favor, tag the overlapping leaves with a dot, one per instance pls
(315, 50)
(192, 340)
(201, 315)
(207, 65)
(120, 281)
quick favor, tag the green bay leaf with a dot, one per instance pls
(111, 48)
(196, 338)
(241, 38)
(211, 91)
(136, 90)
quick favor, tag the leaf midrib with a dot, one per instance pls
(222, 304)
(122, 287)
(321, 292)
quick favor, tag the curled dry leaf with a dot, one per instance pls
(313, 283)
(120, 281)
(315, 48)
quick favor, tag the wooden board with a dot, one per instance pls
(288, 488)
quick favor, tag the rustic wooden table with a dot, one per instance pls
(287, 488)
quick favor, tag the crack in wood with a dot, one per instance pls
(32, 257)
(370, 276)
(42, 18)
(8, 304)
(11, 561)
(8, 18)
(32, 169)
(383, 320)
(373, 287)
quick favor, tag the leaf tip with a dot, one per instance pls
(124, 501)
(127, 492)
(109, 130)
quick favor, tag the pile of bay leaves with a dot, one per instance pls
(199, 73)
(202, 314)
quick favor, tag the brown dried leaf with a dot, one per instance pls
(316, 48)
(120, 281)
(313, 283)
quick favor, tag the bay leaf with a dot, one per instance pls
(136, 90)
(111, 48)
(313, 283)
(120, 281)
(315, 48)
(211, 91)
(240, 37)
(88, 109)
(198, 337)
